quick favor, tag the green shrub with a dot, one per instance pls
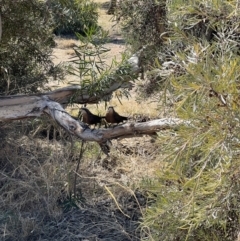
(142, 22)
(26, 46)
(197, 191)
(73, 15)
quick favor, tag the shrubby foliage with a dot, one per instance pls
(197, 191)
(143, 22)
(27, 40)
(94, 74)
(26, 46)
(72, 16)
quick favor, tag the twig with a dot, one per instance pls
(116, 183)
(116, 202)
(78, 164)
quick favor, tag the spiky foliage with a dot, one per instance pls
(197, 191)
(93, 72)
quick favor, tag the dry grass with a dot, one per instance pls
(64, 43)
(64, 50)
(37, 175)
(107, 22)
(37, 182)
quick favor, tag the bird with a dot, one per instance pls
(113, 117)
(89, 117)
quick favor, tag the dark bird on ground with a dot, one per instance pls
(89, 117)
(113, 117)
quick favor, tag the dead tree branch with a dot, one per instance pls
(26, 106)
(19, 107)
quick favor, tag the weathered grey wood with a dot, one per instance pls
(77, 128)
(26, 106)
(19, 107)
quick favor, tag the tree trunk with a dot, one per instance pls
(112, 7)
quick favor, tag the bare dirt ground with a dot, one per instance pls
(63, 53)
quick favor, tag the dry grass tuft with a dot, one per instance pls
(37, 180)
(106, 21)
(65, 43)
(129, 107)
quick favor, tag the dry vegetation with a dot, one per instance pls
(38, 171)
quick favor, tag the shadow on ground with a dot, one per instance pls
(104, 5)
(92, 223)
